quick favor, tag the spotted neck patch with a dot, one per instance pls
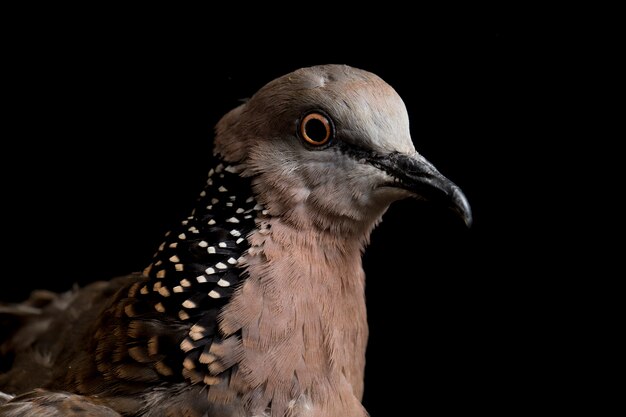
(192, 276)
(199, 259)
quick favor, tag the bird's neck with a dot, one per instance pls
(289, 301)
(301, 315)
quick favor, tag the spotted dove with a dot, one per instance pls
(254, 305)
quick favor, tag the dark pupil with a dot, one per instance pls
(316, 130)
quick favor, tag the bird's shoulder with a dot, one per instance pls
(42, 331)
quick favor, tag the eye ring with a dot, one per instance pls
(316, 128)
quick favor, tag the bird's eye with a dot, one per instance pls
(316, 128)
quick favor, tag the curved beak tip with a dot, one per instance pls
(461, 206)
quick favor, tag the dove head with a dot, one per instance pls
(329, 147)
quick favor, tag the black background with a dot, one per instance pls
(110, 131)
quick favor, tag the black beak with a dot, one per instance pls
(421, 178)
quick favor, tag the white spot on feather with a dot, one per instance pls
(188, 364)
(186, 345)
(197, 328)
(211, 380)
(196, 335)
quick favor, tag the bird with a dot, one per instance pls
(254, 304)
